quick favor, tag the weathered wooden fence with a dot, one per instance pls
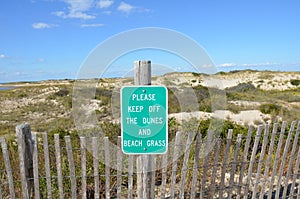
(262, 164)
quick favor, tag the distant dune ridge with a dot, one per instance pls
(253, 97)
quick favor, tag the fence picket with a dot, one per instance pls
(185, 164)
(71, 166)
(244, 161)
(8, 168)
(295, 174)
(215, 168)
(25, 157)
(284, 157)
(58, 166)
(107, 168)
(47, 165)
(234, 164)
(207, 151)
(279, 182)
(261, 159)
(164, 175)
(35, 167)
(195, 167)
(96, 166)
(267, 165)
(292, 157)
(174, 165)
(119, 168)
(225, 162)
(276, 161)
(252, 159)
(83, 166)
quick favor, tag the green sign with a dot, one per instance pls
(144, 119)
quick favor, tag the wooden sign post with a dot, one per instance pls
(142, 76)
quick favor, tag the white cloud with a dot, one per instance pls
(41, 25)
(107, 12)
(248, 64)
(80, 15)
(40, 60)
(260, 64)
(227, 65)
(2, 56)
(105, 3)
(94, 25)
(125, 7)
(79, 5)
(77, 9)
(75, 15)
(21, 73)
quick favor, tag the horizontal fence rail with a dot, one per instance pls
(262, 164)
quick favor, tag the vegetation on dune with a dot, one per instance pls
(295, 82)
(48, 109)
(48, 106)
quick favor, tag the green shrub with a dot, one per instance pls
(295, 82)
(270, 108)
(242, 87)
(22, 95)
(62, 93)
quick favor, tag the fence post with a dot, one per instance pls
(25, 150)
(142, 76)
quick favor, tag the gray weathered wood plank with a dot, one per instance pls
(146, 176)
(95, 149)
(195, 167)
(252, 159)
(185, 164)
(296, 173)
(36, 180)
(130, 177)
(164, 175)
(142, 72)
(139, 173)
(153, 169)
(47, 165)
(284, 158)
(207, 152)
(83, 166)
(225, 162)
(234, 164)
(174, 165)
(291, 160)
(107, 168)
(244, 161)
(119, 168)
(8, 168)
(260, 161)
(216, 165)
(268, 162)
(58, 166)
(71, 167)
(277, 157)
(25, 157)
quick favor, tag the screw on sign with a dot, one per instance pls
(144, 120)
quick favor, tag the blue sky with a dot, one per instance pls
(50, 39)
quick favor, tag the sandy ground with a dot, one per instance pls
(264, 80)
(248, 117)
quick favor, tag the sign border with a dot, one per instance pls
(167, 122)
